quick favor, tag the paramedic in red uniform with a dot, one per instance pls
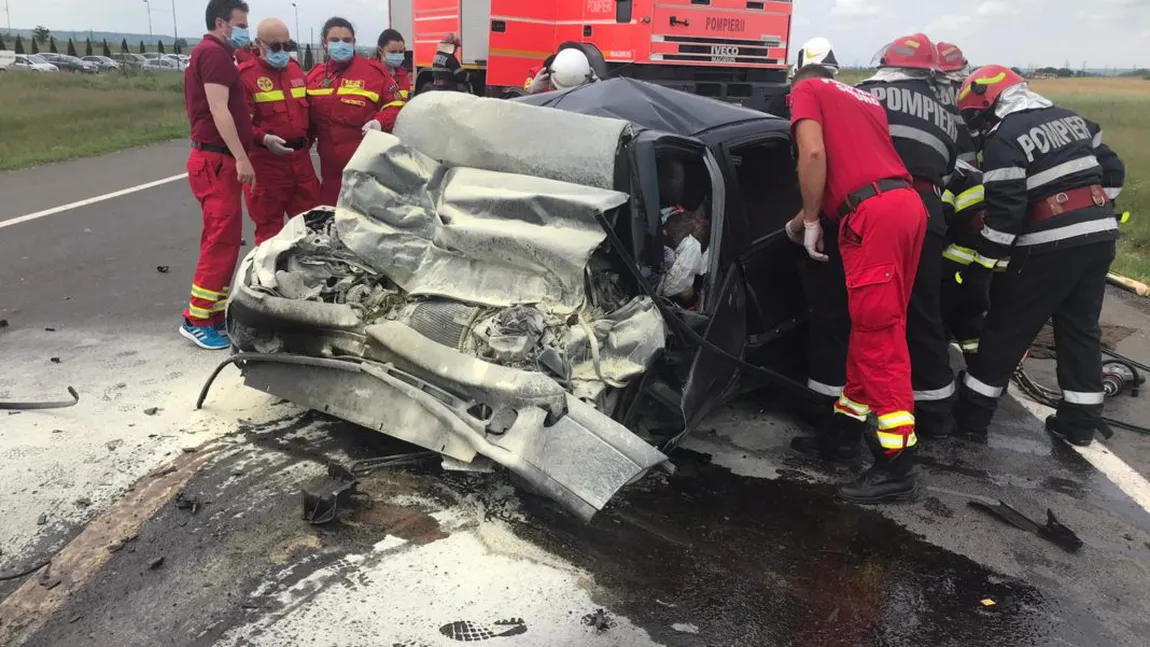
(848, 168)
(392, 53)
(276, 90)
(347, 97)
(218, 166)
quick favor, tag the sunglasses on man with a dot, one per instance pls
(276, 47)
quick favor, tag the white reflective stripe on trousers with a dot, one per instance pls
(1086, 399)
(1113, 192)
(935, 394)
(980, 387)
(825, 389)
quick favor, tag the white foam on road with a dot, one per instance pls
(1133, 484)
(90, 201)
(64, 466)
(400, 593)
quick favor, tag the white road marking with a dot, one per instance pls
(1125, 477)
(91, 201)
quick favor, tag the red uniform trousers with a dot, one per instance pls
(880, 244)
(336, 147)
(284, 185)
(212, 177)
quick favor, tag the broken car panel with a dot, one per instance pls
(489, 285)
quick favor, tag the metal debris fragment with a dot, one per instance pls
(84, 502)
(156, 563)
(1054, 531)
(151, 411)
(322, 497)
(599, 620)
(32, 406)
(988, 602)
(184, 502)
(42, 519)
(163, 269)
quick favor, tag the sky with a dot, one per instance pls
(1099, 33)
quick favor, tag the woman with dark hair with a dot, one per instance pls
(348, 96)
(392, 52)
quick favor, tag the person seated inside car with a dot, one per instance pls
(686, 236)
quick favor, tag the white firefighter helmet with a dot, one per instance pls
(816, 51)
(570, 69)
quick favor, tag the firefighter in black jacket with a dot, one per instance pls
(446, 71)
(955, 68)
(925, 132)
(1048, 211)
(965, 295)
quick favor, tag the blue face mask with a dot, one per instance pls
(341, 51)
(240, 37)
(278, 60)
(394, 59)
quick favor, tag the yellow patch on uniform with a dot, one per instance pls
(358, 84)
(265, 84)
(913, 43)
(355, 102)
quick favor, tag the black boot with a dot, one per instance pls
(934, 425)
(836, 442)
(1076, 436)
(888, 480)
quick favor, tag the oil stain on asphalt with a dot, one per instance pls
(773, 562)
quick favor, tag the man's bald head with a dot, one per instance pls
(273, 30)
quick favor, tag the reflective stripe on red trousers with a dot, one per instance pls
(212, 177)
(285, 186)
(880, 245)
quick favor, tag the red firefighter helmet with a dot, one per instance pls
(981, 90)
(951, 58)
(915, 51)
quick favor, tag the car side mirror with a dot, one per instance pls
(623, 9)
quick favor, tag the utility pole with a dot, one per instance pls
(297, 31)
(8, 10)
(175, 24)
(149, 6)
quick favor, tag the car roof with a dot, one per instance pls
(655, 107)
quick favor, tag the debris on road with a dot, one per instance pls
(599, 620)
(322, 497)
(54, 360)
(50, 329)
(113, 445)
(184, 502)
(28, 571)
(151, 411)
(163, 269)
(1054, 531)
(988, 602)
(42, 519)
(155, 563)
(32, 406)
(685, 628)
(83, 502)
(3, 323)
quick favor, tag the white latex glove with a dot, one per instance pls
(794, 233)
(372, 125)
(276, 145)
(813, 240)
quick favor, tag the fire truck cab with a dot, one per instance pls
(732, 50)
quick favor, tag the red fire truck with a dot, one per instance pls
(734, 50)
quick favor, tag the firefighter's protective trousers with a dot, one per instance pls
(285, 186)
(824, 285)
(1066, 285)
(212, 177)
(931, 375)
(880, 244)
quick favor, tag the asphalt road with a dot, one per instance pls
(744, 545)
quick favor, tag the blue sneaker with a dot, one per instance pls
(206, 337)
(222, 329)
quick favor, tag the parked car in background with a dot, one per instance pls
(33, 63)
(130, 60)
(7, 59)
(177, 59)
(103, 63)
(71, 64)
(160, 65)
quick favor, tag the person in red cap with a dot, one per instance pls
(221, 132)
(848, 168)
(276, 91)
(1049, 211)
(925, 134)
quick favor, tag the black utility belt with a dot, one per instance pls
(212, 148)
(869, 191)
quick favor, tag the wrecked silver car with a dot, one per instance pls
(561, 294)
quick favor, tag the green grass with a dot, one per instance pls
(55, 117)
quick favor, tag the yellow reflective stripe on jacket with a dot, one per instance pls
(356, 92)
(948, 197)
(405, 94)
(896, 441)
(970, 198)
(969, 346)
(320, 92)
(959, 254)
(268, 97)
(206, 294)
(395, 104)
(298, 93)
(895, 420)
